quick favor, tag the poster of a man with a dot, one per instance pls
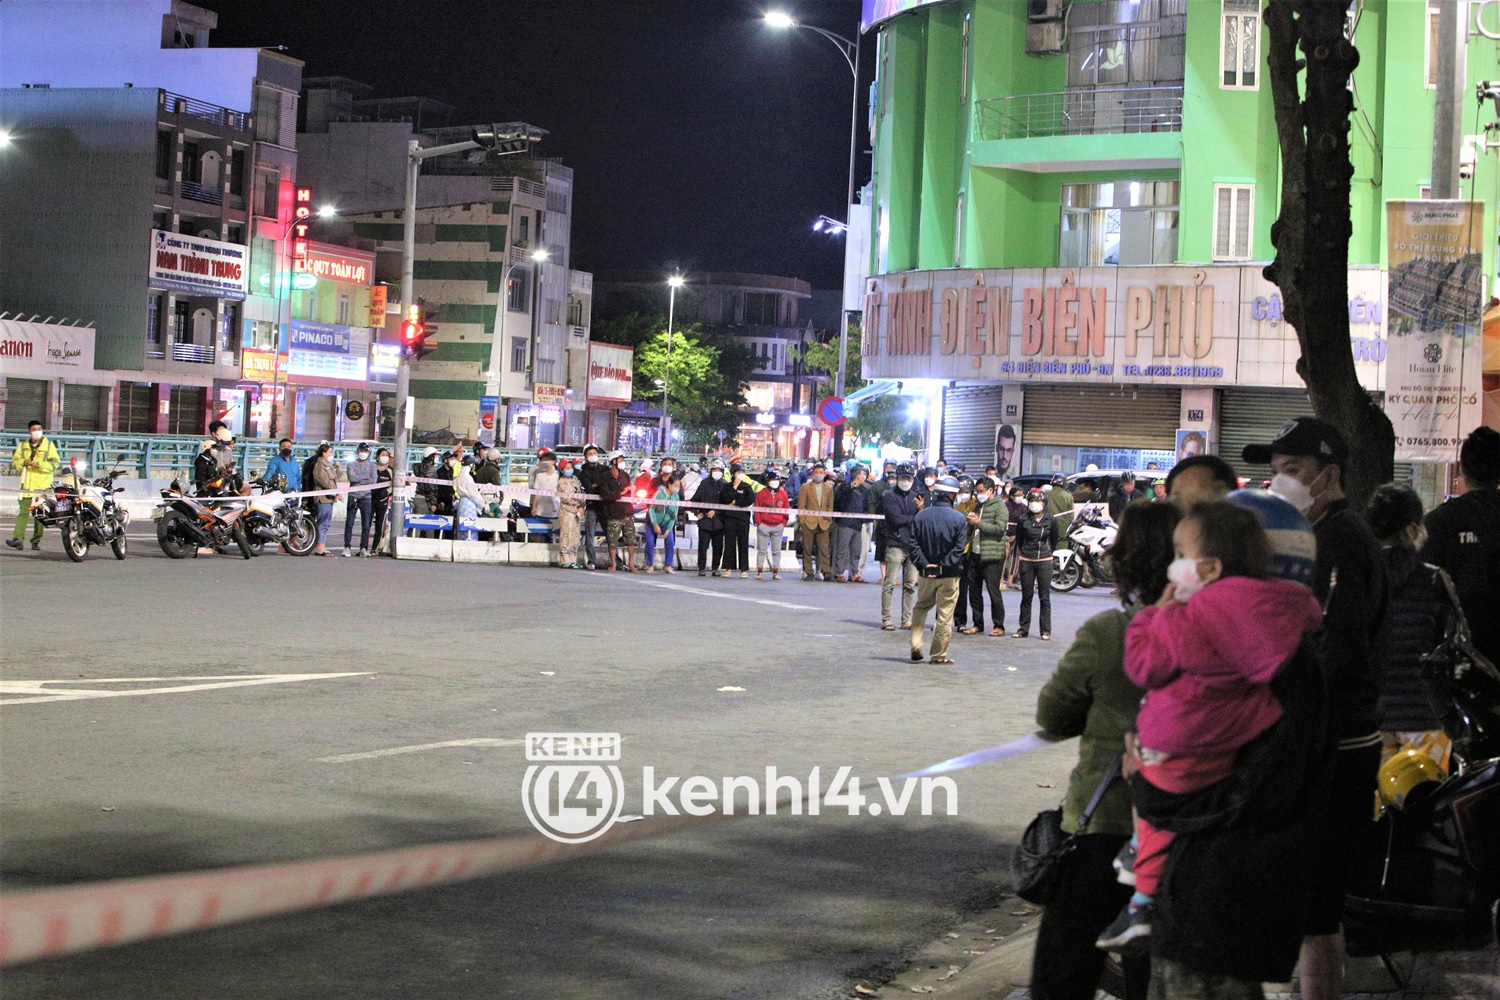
(1007, 448)
(1190, 443)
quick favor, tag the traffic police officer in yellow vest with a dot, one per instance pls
(35, 460)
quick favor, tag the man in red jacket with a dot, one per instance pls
(770, 515)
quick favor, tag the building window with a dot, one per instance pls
(192, 163)
(345, 308)
(1239, 53)
(229, 327)
(268, 186)
(235, 233)
(237, 173)
(963, 70)
(182, 316)
(1430, 74)
(164, 155)
(1118, 222)
(519, 297)
(161, 219)
(155, 306)
(575, 312)
(761, 308)
(267, 114)
(958, 231)
(518, 354)
(1118, 43)
(1234, 218)
(523, 228)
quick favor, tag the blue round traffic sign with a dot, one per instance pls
(831, 411)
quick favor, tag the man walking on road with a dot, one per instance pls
(815, 496)
(361, 472)
(940, 540)
(35, 460)
(899, 507)
(1463, 537)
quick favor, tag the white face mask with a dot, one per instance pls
(716, 474)
(1184, 573)
(1035, 507)
(930, 480)
(985, 497)
(383, 460)
(903, 484)
(36, 435)
(1293, 491)
(817, 477)
(775, 484)
(963, 498)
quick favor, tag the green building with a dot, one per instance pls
(1112, 167)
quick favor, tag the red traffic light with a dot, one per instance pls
(413, 332)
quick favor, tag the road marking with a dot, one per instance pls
(734, 597)
(14, 692)
(417, 748)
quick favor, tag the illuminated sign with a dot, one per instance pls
(800, 420)
(765, 418)
(301, 212)
(336, 268)
(377, 306)
(546, 392)
(197, 266)
(259, 366)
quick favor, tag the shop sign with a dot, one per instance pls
(45, 350)
(301, 216)
(1175, 325)
(377, 306)
(1434, 372)
(548, 393)
(195, 266)
(310, 336)
(259, 366)
(323, 350)
(611, 373)
(339, 268)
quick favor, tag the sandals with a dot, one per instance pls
(997, 633)
(1045, 636)
(887, 627)
(1018, 634)
(942, 661)
(975, 630)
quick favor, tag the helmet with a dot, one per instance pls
(1403, 774)
(906, 471)
(429, 451)
(965, 484)
(736, 467)
(1036, 496)
(717, 463)
(1294, 547)
(946, 485)
(615, 456)
(1059, 481)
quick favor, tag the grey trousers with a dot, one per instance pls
(768, 548)
(898, 563)
(848, 550)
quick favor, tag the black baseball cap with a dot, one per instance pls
(1302, 436)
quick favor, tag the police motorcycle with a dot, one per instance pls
(1081, 559)
(84, 511)
(214, 518)
(274, 517)
(1427, 875)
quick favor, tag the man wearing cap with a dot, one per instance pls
(361, 472)
(1463, 537)
(940, 541)
(815, 497)
(899, 507)
(590, 477)
(1307, 459)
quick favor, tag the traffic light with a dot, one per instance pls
(414, 335)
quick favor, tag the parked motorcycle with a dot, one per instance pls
(1082, 560)
(183, 523)
(278, 519)
(85, 512)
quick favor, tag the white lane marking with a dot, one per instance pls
(417, 748)
(14, 692)
(734, 597)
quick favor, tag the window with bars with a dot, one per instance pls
(518, 354)
(1430, 74)
(1234, 220)
(1126, 43)
(518, 298)
(137, 410)
(1239, 53)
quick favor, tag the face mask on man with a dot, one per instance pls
(774, 484)
(1293, 490)
(942, 470)
(36, 434)
(1035, 506)
(591, 459)
(817, 477)
(984, 497)
(930, 480)
(286, 453)
(363, 456)
(904, 484)
(716, 474)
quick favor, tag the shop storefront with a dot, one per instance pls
(47, 374)
(1052, 370)
(611, 384)
(781, 435)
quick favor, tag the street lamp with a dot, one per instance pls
(4, 138)
(675, 282)
(327, 211)
(850, 51)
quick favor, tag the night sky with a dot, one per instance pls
(699, 137)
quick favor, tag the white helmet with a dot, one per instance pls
(429, 451)
(717, 463)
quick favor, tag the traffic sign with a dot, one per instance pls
(831, 411)
(723, 435)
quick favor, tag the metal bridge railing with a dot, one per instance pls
(1093, 111)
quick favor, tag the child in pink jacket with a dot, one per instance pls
(1206, 654)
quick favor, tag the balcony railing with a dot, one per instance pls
(176, 104)
(202, 354)
(202, 192)
(1095, 111)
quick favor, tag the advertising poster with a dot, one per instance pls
(487, 407)
(1191, 442)
(611, 373)
(1008, 448)
(323, 350)
(1435, 302)
(196, 266)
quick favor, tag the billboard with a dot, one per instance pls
(323, 350)
(45, 350)
(196, 266)
(876, 11)
(611, 373)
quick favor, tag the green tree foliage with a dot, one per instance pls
(885, 416)
(706, 380)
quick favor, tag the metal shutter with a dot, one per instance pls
(185, 410)
(1253, 416)
(970, 414)
(26, 400)
(136, 413)
(1108, 416)
(318, 415)
(81, 410)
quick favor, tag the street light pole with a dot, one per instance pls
(673, 283)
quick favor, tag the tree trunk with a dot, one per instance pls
(1311, 234)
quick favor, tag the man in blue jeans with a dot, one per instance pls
(362, 472)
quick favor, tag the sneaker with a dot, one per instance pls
(746, 576)
(703, 573)
(776, 576)
(36, 545)
(364, 553)
(1124, 864)
(590, 566)
(758, 574)
(14, 543)
(347, 553)
(916, 656)
(1130, 934)
(716, 573)
(807, 576)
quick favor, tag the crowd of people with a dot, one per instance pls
(1267, 653)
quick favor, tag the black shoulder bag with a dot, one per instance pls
(1038, 857)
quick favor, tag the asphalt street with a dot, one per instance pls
(143, 783)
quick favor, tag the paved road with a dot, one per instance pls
(763, 907)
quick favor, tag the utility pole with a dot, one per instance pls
(1451, 70)
(514, 137)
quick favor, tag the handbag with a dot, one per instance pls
(1037, 861)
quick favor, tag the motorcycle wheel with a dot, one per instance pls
(75, 543)
(1102, 573)
(170, 537)
(117, 543)
(257, 547)
(1069, 576)
(302, 535)
(242, 541)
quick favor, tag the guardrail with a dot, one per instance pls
(1096, 111)
(177, 104)
(202, 192)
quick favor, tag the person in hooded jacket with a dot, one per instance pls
(737, 523)
(770, 525)
(590, 476)
(1036, 538)
(713, 490)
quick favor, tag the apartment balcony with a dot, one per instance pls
(1081, 129)
(201, 354)
(193, 191)
(201, 111)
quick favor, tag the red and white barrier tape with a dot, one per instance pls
(44, 923)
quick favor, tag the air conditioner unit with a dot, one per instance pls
(1044, 10)
(1044, 38)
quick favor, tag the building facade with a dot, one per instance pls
(1065, 194)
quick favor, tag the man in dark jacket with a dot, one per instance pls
(1308, 457)
(877, 488)
(940, 541)
(590, 476)
(1463, 537)
(1122, 495)
(618, 514)
(899, 507)
(849, 553)
(711, 525)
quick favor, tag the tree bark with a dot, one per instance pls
(1311, 234)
